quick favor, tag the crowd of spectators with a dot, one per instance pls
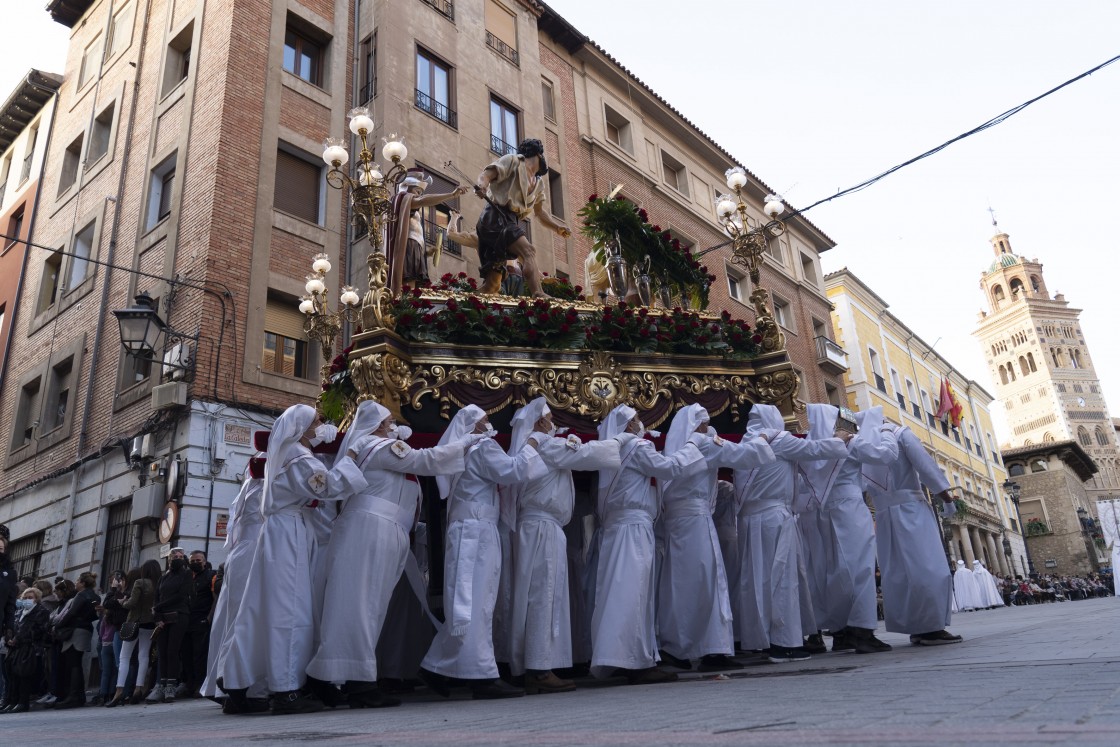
(144, 638)
(1052, 588)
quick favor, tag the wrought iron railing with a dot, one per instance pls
(503, 49)
(369, 90)
(880, 384)
(445, 8)
(501, 147)
(432, 233)
(829, 351)
(443, 113)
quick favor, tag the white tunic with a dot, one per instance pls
(916, 583)
(242, 532)
(541, 636)
(464, 648)
(693, 603)
(966, 590)
(989, 590)
(623, 630)
(769, 543)
(367, 553)
(273, 629)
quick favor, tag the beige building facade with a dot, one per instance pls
(891, 367)
(1041, 367)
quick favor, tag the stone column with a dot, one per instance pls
(966, 543)
(974, 538)
(998, 559)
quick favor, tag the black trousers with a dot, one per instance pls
(196, 644)
(170, 644)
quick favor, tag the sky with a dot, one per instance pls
(815, 96)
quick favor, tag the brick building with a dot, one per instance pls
(185, 164)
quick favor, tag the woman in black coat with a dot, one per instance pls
(27, 647)
(73, 627)
(172, 613)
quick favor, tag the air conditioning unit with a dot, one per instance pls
(147, 503)
(166, 396)
(178, 359)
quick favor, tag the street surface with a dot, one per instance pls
(1038, 675)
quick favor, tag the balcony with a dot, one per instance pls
(503, 49)
(369, 90)
(831, 357)
(501, 147)
(445, 8)
(443, 113)
(434, 232)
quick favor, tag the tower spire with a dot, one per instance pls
(993, 214)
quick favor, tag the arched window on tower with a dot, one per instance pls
(1002, 247)
(997, 295)
(1102, 437)
(1030, 360)
(1083, 436)
(1036, 284)
(1047, 437)
(1016, 287)
(1011, 370)
(1075, 358)
(1002, 375)
(1023, 365)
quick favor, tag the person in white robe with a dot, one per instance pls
(409, 626)
(623, 623)
(464, 648)
(242, 532)
(769, 615)
(693, 602)
(989, 589)
(811, 565)
(368, 548)
(846, 601)
(916, 583)
(965, 589)
(273, 630)
(725, 521)
(541, 636)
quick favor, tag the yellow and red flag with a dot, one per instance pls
(949, 404)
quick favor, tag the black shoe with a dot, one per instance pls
(784, 654)
(866, 643)
(330, 695)
(21, 708)
(117, 700)
(293, 701)
(393, 686)
(717, 663)
(372, 699)
(437, 683)
(815, 644)
(238, 704)
(649, 676)
(494, 690)
(842, 641)
(667, 658)
(71, 702)
(936, 638)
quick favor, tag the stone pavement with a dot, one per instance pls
(1038, 675)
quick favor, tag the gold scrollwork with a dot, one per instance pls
(382, 377)
(778, 386)
(377, 304)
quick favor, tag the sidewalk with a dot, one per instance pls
(1038, 675)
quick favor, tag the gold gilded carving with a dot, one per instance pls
(378, 302)
(382, 377)
(779, 386)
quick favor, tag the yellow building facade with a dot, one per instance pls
(890, 366)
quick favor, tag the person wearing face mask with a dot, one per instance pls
(196, 637)
(464, 648)
(541, 637)
(769, 614)
(27, 645)
(73, 628)
(273, 629)
(693, 602)
(369, 548)
(623, 630)
(9, 591)
(172, 616)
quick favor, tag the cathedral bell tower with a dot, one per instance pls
(1040, 364)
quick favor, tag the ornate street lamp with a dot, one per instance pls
(322, 324)
(140, 326)
(1013, 490)
(749, 246)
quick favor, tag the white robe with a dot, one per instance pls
(916, 583)
(367, 552)
(848, 596)
(273, 631)
(464, 647)
(966, 590)
(693, 602)
(989, 589)
(623, 632)
(540, 625)
(725, 521)
(769, 543)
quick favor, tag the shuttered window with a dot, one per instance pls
(298, 183)
(285, 349)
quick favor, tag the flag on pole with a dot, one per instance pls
(948, 404)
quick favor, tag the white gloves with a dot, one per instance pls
(326, 433)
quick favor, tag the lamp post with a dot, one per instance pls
(322, 324)
(1013, 490)
(141, 329)
(749, 246)
(1087, 526)
(370, 190)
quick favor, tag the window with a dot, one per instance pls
(120, 31)
(618, 129)
(303, 57)
(674, 173)
(549, 99)
(877, 371)
(436, 218)
(776, 249)
(501, 31)
(736, 285)
(285, 343)
(1102, 437)
(5, 171)
(555, 194)
(445, 7)
(26, 555)
(832, 394)
(99, 135)
(118, 538)
(161, 188)
(79, 263)
(435, 88)
(369, 68)
(91, 58)
(15, 228)
(503, 127)
(177, 63)
(27, 415)
(782, 313)
(298, 189)
(28, 154)
(59, 401)
(809, 269)
(1083, 436)
(48, 288)
(70, 161)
